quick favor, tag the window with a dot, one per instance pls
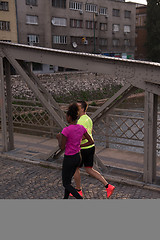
(74, 23)
(75, 5)
(4, 6)
(91, 7)
(115, 42)
(115, 27)
(127, 42)
(103, 27)
(32, 39)
(127, 29)
(103, 11)
(5, 40)
(92, 40)
(51, 68)
(91, 25)
(59, 22)
(4, 25)
(59, 39)
(116, 12)
(37, 66)
(103, 42)
(32, 19)
(59, 3)
(141, 20)
(31, 2)
(127, 14)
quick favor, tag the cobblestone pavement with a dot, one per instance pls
(28, 181)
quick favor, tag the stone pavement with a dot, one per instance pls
(21, 180)
(25, 174)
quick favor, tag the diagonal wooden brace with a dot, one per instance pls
(115, 100)
(43, 90)
(36, 91)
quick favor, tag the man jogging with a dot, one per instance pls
(87, 153)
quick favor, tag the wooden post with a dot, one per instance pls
(3, 108)
(9, 105)
(150, 137)
(107, 130)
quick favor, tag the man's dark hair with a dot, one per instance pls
(84, 105)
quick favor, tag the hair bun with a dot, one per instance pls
(73, 111)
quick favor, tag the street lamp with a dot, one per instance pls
(94, 32)
(94, 26)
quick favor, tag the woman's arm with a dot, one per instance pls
(90, 141)
(83, 135)
(61, 141)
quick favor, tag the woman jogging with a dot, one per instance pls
(70, 140)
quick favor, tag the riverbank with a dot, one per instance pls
(68, 86)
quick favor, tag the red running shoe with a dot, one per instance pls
(110, 190)
(80, 193)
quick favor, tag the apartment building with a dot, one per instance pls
(141, 32)
(8, 22)
(94, 26)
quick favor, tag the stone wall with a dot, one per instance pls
(65, 83)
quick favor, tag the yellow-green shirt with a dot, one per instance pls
(86, 121)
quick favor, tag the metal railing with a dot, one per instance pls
(121, 129)
(30, 117)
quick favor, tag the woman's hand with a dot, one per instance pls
(59, 136)
(90, 141)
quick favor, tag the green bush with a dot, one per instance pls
(87, 95)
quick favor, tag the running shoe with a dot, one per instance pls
(80, 193)
(110, 190)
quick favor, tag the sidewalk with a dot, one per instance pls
(33, 149)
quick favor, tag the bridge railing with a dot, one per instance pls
(30, 117)
(121, 129)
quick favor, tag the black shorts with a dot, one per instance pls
(87, 157)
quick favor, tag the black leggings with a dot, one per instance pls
(70, 164)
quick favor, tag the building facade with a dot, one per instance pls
(8, 21)
(141, 32)
(94, 26)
